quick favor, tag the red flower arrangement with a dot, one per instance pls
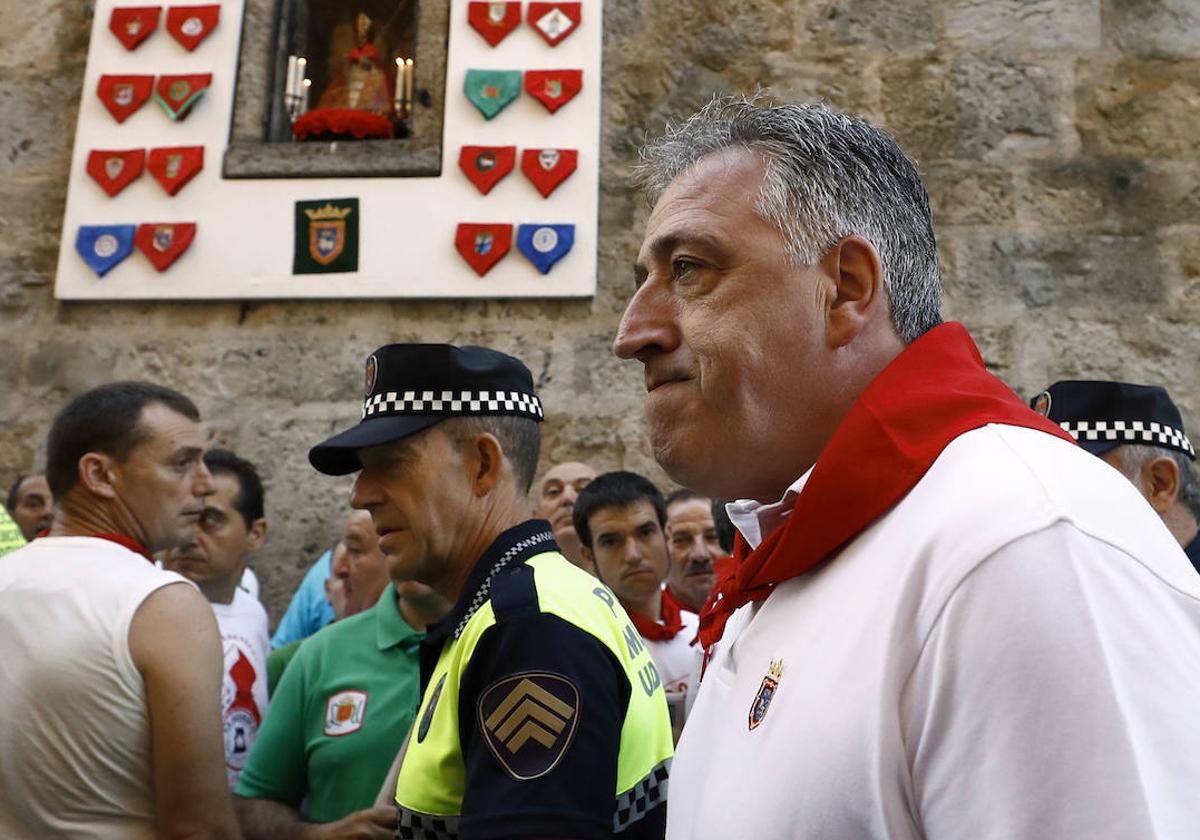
(341, 124)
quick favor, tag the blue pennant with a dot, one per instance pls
(545, 245)
(104, 246)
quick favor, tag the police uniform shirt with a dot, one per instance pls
(538, 676)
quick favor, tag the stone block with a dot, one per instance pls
(39, 121)
(1112, 194)
(1160, 28)
(1139, 108)
(963, 193)
(70, 367)
(887, 25)
(1025, 24)
(1005, 106)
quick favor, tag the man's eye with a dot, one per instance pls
(681, 266)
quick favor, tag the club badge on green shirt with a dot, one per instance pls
(326, 236)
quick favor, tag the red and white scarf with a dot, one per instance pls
(934, 391)
(660, 631)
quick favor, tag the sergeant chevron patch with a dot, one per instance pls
(528, 721)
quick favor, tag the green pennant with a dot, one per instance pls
(326, 236)
(491, 90)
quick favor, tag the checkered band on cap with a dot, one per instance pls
(398, 403)
(1130, 431)
(412, 825)
(646, 795)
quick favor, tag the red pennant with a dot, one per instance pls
(122, 95)
(553, 88)
(175, 166)
(163, 242)
(494, 20)
(486, 166)
(554, 21)
(177, 94)
(483, 245)
(115, 170)
(189, 25)
(134, 25)
(548, 168)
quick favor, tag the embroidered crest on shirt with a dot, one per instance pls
(344, 713)
(528, 721)
(766, 693)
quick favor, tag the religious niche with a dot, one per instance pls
(340, 88)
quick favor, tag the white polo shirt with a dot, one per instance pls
(1012, 652)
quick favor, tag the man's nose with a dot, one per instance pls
(204, 485)
(648, 325)
(366, 492)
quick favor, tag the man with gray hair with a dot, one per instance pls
(1138, 430)
(927, 630)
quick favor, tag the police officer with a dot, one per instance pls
(1138, 430)
(542, 713)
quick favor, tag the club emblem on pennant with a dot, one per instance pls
(174, 166)
(177, 94)
(103, 247)
(545, 245)
(492, 90)
(189, 25)
(132, 25)
(326, 236)
(554, 21)
(766, 693)
(115, 170)
(528, 721)
(547, 168)
(163, 243)
(483, 245)
(122, 95)
(345, 712)
(486, 166)
(494, 20)
(553, 88)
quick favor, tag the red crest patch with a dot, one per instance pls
(174, 166)
(553, 88)
(547, 168)
(132, 25)
(189, 25)
(483, 245)
(164, 242)
(177, 94)
(115, 170)
(554, 21)
(486, 166)
(122, 95)
(494, 20)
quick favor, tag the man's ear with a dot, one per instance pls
(586, 554)
(1160, 483)
(97, 474)
(853, 264)
(256, 535)
(487, 463)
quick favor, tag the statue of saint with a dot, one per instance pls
(363, 84)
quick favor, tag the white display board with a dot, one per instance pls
(245, 228)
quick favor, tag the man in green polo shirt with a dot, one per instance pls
(338, 716)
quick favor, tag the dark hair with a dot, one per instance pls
(683, 494)
(105, 419)
(10, 503)
(618, 489)
(249, 501)
(725, 529)
(520, 438)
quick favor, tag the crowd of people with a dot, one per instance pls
(888, 599)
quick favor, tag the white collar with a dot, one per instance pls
(756, 520)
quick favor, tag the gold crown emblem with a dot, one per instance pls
(328, 212)
(775, 672)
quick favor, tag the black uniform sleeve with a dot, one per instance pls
(541, 709)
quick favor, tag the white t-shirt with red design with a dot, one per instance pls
(246, 643)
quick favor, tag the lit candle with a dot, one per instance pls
(301, 72)
(408, 81)
(398, 96)
(289, 88)
(307, 85)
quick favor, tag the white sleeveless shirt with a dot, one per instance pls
(75, 755)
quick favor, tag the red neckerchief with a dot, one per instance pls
(934, 391)
(366, 51)
(676, 604)
(660, 631)
(128, 542)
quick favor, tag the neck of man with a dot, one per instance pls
(685, 600)
(493, 520)
(1180, 523)
(648, 607)
(419, 612)
(76, 517)
(221, 590)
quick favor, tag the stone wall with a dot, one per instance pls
(1060, 140)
